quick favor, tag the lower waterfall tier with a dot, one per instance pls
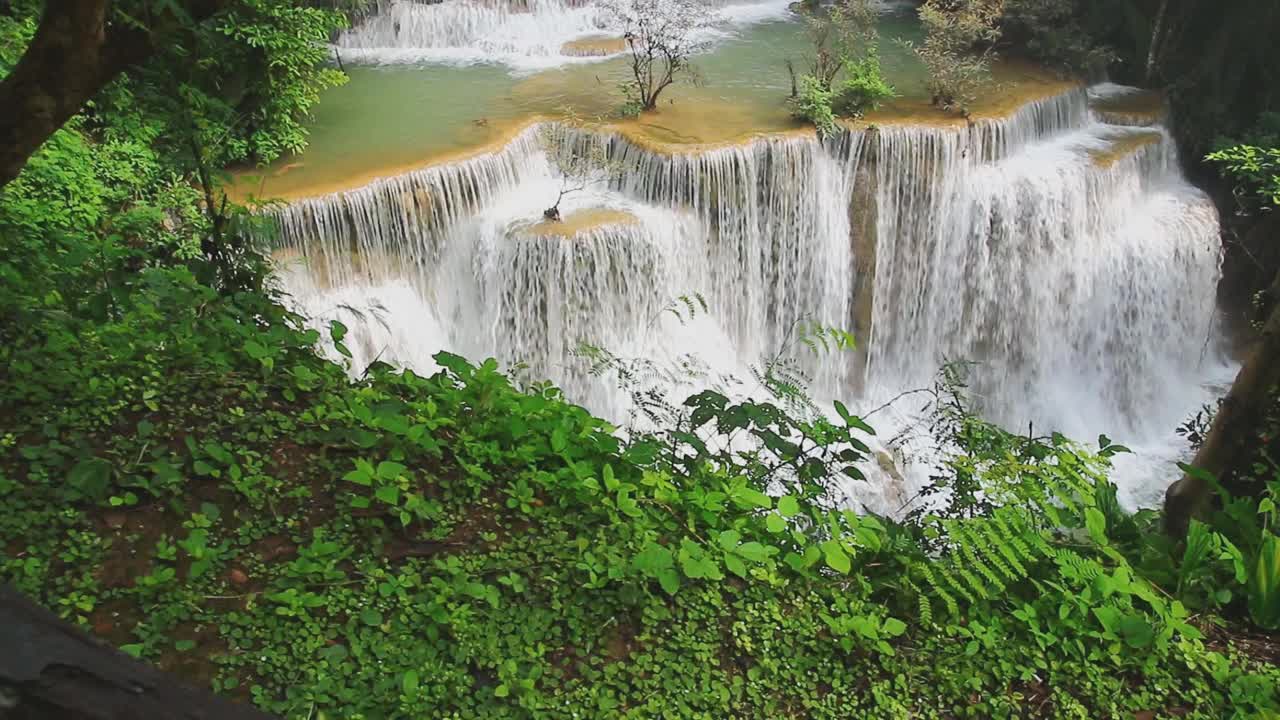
(1061, 253)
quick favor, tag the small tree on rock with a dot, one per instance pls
(581, 164)
(844, 39)
(958, 48)
(661, 35)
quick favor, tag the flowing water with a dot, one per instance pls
(1058, 247)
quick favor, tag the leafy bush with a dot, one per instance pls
(1256, 171)
(863, 87)
(813, 104)
(958, 49)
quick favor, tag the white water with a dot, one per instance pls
(525, 34)
(1082, 283)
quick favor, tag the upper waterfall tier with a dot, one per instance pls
(467, 29)
(525, 33)
(1064, 254)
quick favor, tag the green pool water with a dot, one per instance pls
(394, 117)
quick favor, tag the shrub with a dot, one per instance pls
(958, 49)
(864, 87)
(813, 103)
(1256, 171)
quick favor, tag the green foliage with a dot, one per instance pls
(182, 473)
(814, 104)
(1255, 170)
(236, 88)
(1054, 33)
(958, 49)
(863, 87)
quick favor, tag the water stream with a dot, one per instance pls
(1057, 247)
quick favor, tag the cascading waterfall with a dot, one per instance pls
(402, 220)
(526, 34)
(778, 257)
(470, 29)
(1063, 254)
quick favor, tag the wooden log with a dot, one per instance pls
(51, 669)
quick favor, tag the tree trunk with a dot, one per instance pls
(1156, 31)
(50, 669)
(76, 51)
(1232, 435)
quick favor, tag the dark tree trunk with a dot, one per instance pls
(49, 669)
(1232, 437)
(77, 49)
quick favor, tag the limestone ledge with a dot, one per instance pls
(693, 127)
(596, 46)
(1123, 145)
(578, 223)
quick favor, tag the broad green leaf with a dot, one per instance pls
(409, 684)
(893, 627)
(388, 470)
(835, 556)
(1264, 584)
(787, 506)
(735, 565)
(1096, 523)
(388, 494)
(91, 477)
(669, 579)
(753, 551)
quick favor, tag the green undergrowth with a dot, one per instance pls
(191, 481)
(183, 475)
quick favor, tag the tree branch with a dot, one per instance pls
(77, 49)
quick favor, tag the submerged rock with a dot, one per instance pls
(579, 222)
(596, 46)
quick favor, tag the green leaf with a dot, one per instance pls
(1096, 523)
(735, 566)
(371, 617)
(842, 410)
(91, 477)
(748, 497)
(132, 649)
(753, 551)
(669, 579)
(388, 494)
(1136, 631)
(409, 683)
(1264, 584)
(501, 691)
(775, 523)
(388, 470)
(729, 539)
(836, 557)
(788, 506)
(893, 627)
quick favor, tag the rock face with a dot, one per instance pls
(596, 46)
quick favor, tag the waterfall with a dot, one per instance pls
(472, 30)
(402, 220)
(1062, 253)
(526, 34)
(782, 255)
